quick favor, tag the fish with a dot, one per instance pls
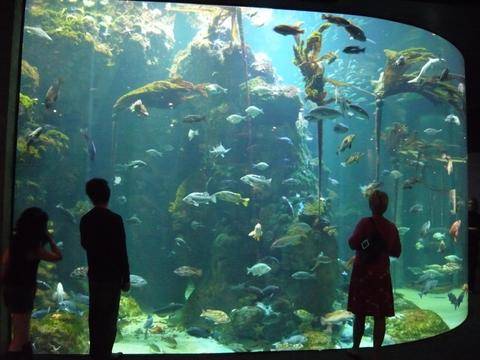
(59, 295)
(322, 113)
(37, 31)
(195, 225)
(261, 166)
(444, 75)
(337, 317)
(333, 181)
(353, 50)
(154, 153)
(395, 174)
(289, 203)
(402, 230)
(257, 232)
(43, 285)
(92, 151)
(81, 298)
(69, 307)
(367, 190)
(408, 183)
(198, 332)
(188, 271)
(285, 139)
(285, 30)
(424, 68)
(461, 89)
(453, 258)
(432, 132)
(346, 143)
(136, 164)
(401, 60)
(67, 213)
(219, 150)
(452, 119)
(270, 290)
(192, 133)
(198, 198)
(352, 159)
(217, 316)
(321, 259)
(258, 269)
(340, 128)
(455, 301)
(79, 273)
(189, 290)
(452, 198)
(256, 181)
(193, 118)
(33, 135)
(138, 108)
(133, 220)
(419, 245)
(304, 315)
(148, 324)
(137, 281)
(427, 287)
(215, 89)
(232, 197)
(169, 308)
(117, 180)
(416, 208)
(122, 199)
(289, 240)
(337, 20)
(454, 228)
(358, 111)
(40, 314)
(235, 118)
(53, 91)
(441, 246)
(425, 228)
(303, 275)
(253, 111)
(356, 33)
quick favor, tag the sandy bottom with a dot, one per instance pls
(440, 304)
(185, 344)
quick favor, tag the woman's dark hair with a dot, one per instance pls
(97, 190)
(378, 202)
(30, 231)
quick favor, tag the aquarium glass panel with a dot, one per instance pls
(241, 146)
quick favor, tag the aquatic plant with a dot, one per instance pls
(27, 102)
(129, 307)
(415, 324)
(315, 207)
(30, 76)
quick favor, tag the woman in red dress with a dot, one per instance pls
(370, 292)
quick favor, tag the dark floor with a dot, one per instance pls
(462, 343)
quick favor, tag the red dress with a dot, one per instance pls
(370, 291)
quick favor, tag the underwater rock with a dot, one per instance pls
(245, 320)
(318, 340)
(415, 324)
(129, 307)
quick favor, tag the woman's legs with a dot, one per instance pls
(358, 330)
(20, 330)
(378, 331)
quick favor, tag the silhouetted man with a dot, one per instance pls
(103, 238)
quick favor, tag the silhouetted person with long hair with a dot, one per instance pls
(370, 294)
(103, 238)
(19, 275)
(473, 243)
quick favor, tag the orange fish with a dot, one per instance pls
(454, 229)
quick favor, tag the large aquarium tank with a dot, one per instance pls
(241, 145)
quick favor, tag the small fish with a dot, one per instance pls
(192, 133)
(400, 61)
(452, 119)
(261, 166)
(188, 271)
(253, 111)
(285, 30)
(340, 128)
(402, 230)
(322, 113)
(302, 275)
(428, 286)
(169, 308)
(235, 118)
(358, 111)
(416, 208)
(337, 20)
(215, 89)
(232, 197)
(137, 281)
(333, 181)
(37, 31)
(285, 139)
(219, 150)
(67, 213)
(59, 295)
(408, 183)
(353, 50)
(432, 132)
(138, 108)
(53, 91)
(453, 258)
(92, 151)
(257, 232)
(452, 198)
(425, 228)
(258, 269)
(352, 159)
(256, 181)
(194, 118)
(424, 68)
(195, 225)
(455, 301)
(346, 143)
(148, 324)
(217, 316)
(79, 273)
(136, 164)
(395, 174)
(40, 314)
(133, 220)
(461, 89)
(154, 153)
(197, 198)
(444, 75)
(356, 33)
(289, 240)
(43, 285)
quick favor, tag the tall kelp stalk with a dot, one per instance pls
(378, 129)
